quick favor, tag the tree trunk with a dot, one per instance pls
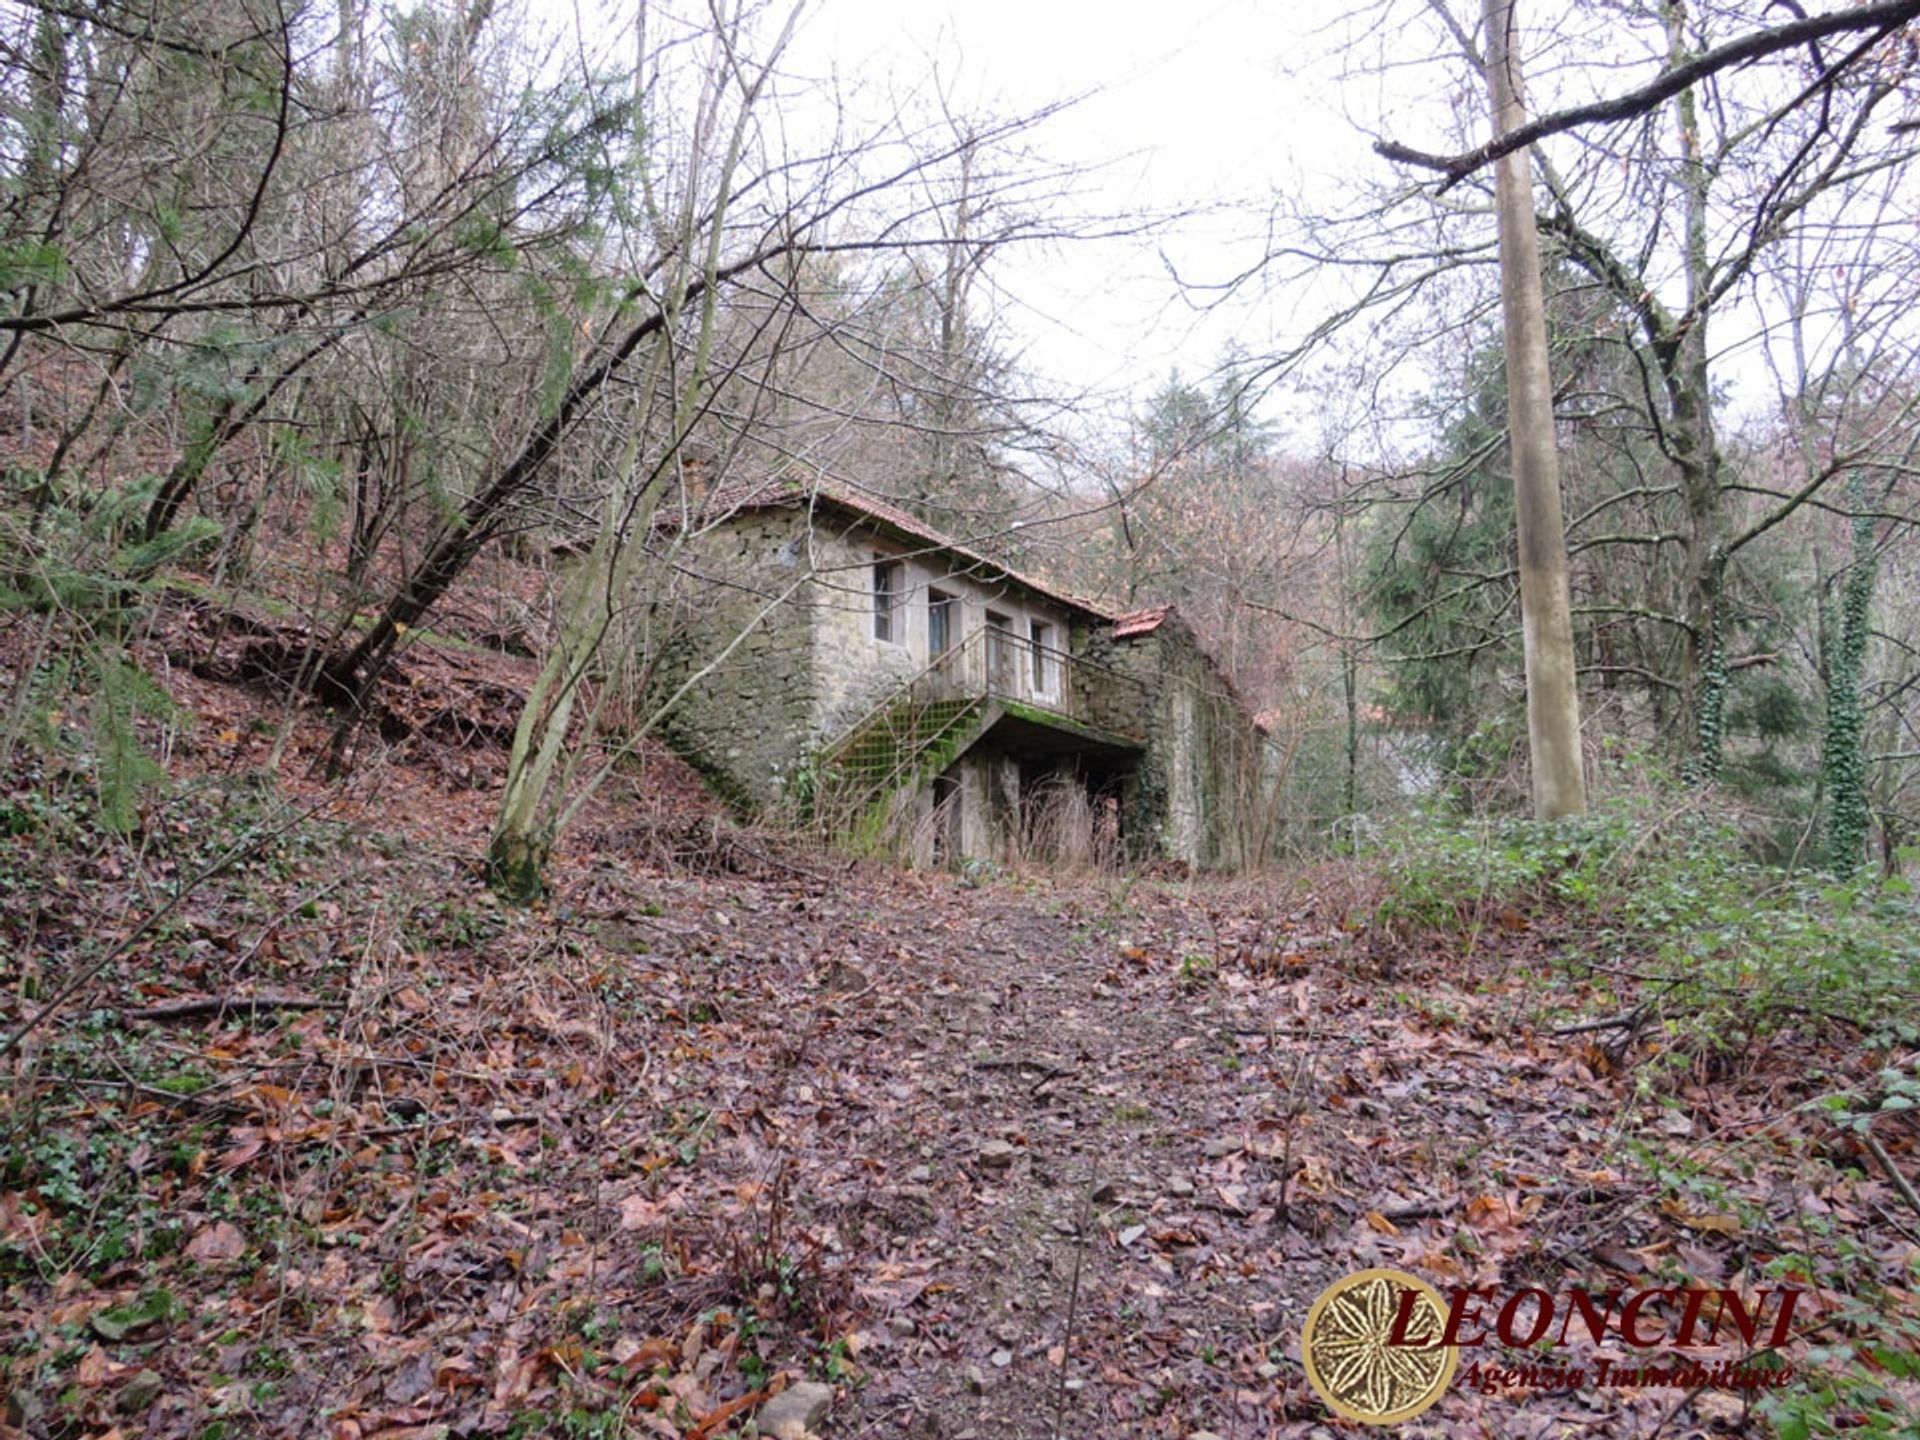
(1553, 708)
(1692, 443)
(1843, 765)
(517, 866)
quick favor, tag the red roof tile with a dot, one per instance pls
(1140, 622)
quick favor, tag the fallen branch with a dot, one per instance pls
(205, 1099)
(777, 863)
(1900, 1182)
(227, 1004)
(1073, 1305)
(1626, 1019)
(249, 846)
(1419, 1210)
(1045, 1070)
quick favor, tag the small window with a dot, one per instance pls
(940, 608)
(1042, 657)
(887, 577)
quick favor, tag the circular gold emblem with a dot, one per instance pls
(1352, 1361)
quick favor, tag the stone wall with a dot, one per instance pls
(813, 667)
(1195, 796)
(748, 725)
(984, 801)
(1211, 751)
(854, 671)
(989, 804)
(1116, 683)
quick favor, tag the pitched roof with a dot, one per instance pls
(1140, 622)
(732, 497)
(1155, 618)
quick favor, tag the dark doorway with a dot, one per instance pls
(946, 819)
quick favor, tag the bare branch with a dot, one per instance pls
(1885, 17)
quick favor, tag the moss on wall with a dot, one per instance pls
(807, 668)
(747, 725)
(1196, 788)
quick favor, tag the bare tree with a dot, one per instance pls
(1657, 223)
(687, 200)
(1553, 706)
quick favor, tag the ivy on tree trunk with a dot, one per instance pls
(1843, 761)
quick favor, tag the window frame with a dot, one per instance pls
(1043, 673)
(889, 590)
(942, 606)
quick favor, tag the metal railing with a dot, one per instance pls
(1010, 666)
(922, 684)
(1001, 664)
(891, 744)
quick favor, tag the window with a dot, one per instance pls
(887, 578)
(1000, 672)
(940, 610)
(1042, 657)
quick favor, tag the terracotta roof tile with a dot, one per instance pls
(1140, 622)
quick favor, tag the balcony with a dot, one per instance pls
(1035, 700)
(1043, 683)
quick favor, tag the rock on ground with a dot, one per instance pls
(796, 1410)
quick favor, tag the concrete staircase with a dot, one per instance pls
(901, 745)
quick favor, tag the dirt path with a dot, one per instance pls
(1047, 1157)
(1025, 1161)
(1207, 1106)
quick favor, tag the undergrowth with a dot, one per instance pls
(1727, 949)
(1713, 952)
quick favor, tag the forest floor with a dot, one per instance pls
(333, 1144)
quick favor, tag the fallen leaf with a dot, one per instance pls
(637, 1212)
(720, 1416)
(219, 1241)
(1696, 1220)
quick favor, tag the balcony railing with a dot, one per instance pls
(922, 722)
(1001, 663)
(991, 663)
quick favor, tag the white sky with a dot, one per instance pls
(1191, 113)
(1204, 112)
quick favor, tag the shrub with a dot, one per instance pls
(1739, 947)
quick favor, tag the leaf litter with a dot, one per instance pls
(1045, 1156)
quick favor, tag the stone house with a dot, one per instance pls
(837, 657)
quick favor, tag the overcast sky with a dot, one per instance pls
(1189, 110)
(1207, 110)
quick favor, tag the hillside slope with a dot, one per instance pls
(328, 1142)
